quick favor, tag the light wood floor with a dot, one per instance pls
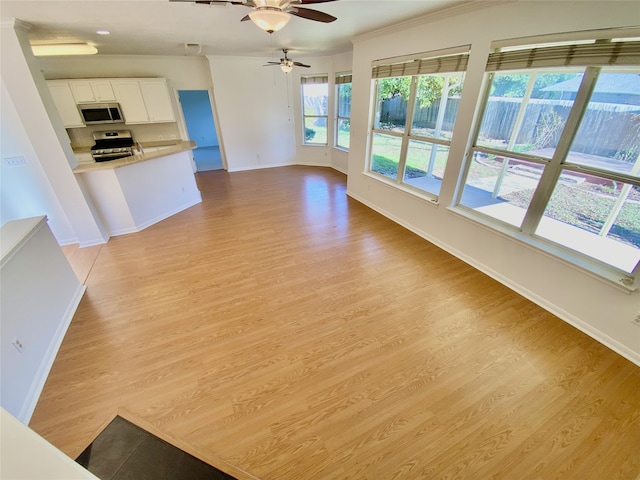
(286, 331)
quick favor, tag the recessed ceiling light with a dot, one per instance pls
(103, 32)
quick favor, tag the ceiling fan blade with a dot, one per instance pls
(209, 2)
(298, 64)
(245, 18)
(309, 2)
(311, 14)
(271, 64)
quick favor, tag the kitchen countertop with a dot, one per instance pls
(140, 157)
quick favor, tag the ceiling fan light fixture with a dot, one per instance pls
(269, 19)
(63, 49)
(286, 66)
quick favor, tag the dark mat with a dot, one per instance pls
(124, 451)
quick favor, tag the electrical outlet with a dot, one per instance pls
(17, 344)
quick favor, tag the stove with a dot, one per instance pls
(112, 145)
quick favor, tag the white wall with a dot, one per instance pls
(43, 140)
(596, 307)
(256, 115)
(40, 293)
(25, 190)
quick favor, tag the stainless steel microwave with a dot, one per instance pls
(94, 113)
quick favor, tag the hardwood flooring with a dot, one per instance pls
(282, 330)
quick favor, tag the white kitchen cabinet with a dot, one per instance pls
(92, 91)
(157, 100)
(129, 96)
(65, 103)
(144, 100)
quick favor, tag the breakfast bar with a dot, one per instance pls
(134, 192)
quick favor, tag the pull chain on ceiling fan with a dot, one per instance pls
(272, 15)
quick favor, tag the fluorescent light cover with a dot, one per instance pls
(63, 49)
(103, 32)
(269, 19)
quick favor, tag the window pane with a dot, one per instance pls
(501, 187)
(343, 137)
(609, 134)
(520, 123)
(385, 155)
(316, 97)
(595, 216)
(434, 113)
(391, 105)
(344, 100)
(315, 130)
(425, 166)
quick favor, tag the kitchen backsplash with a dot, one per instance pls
(82, 137)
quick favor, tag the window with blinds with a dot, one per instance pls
(343, 111)
(315, 100)
(556, 150)
(417, 101)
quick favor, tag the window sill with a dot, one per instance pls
(610, 276)
(342, 149)
(414, 193)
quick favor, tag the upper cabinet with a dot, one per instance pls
(144, 100)
(65, 103)
(90, 91)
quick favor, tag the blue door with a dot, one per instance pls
(196, 108)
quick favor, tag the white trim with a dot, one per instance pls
(447, 12)
(259, 167)
(29, 404)
(562, 314)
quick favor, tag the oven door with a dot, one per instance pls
(105, 157)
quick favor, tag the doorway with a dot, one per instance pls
(198, 117)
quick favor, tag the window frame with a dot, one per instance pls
(553, 167)
(318, 79)
(338, 118)
(407, 135)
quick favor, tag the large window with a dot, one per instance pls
(315, 99)
(556, 153)
(343, 109)
(416, 107)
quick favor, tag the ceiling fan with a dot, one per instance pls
(272, 15)
(286, 64)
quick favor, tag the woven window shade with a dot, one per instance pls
(315, 79)
(345, 78)
(581, 55)
(454, 62)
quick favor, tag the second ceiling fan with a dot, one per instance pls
(286, 64)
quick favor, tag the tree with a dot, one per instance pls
(428, 89)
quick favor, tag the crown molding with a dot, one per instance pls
(446, 12)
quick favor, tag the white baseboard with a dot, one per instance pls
(40, 378)
(581, 325)
(259, 167)
(139, 227)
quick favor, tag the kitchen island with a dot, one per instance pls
(132, 193)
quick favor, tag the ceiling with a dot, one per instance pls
(160, 27)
